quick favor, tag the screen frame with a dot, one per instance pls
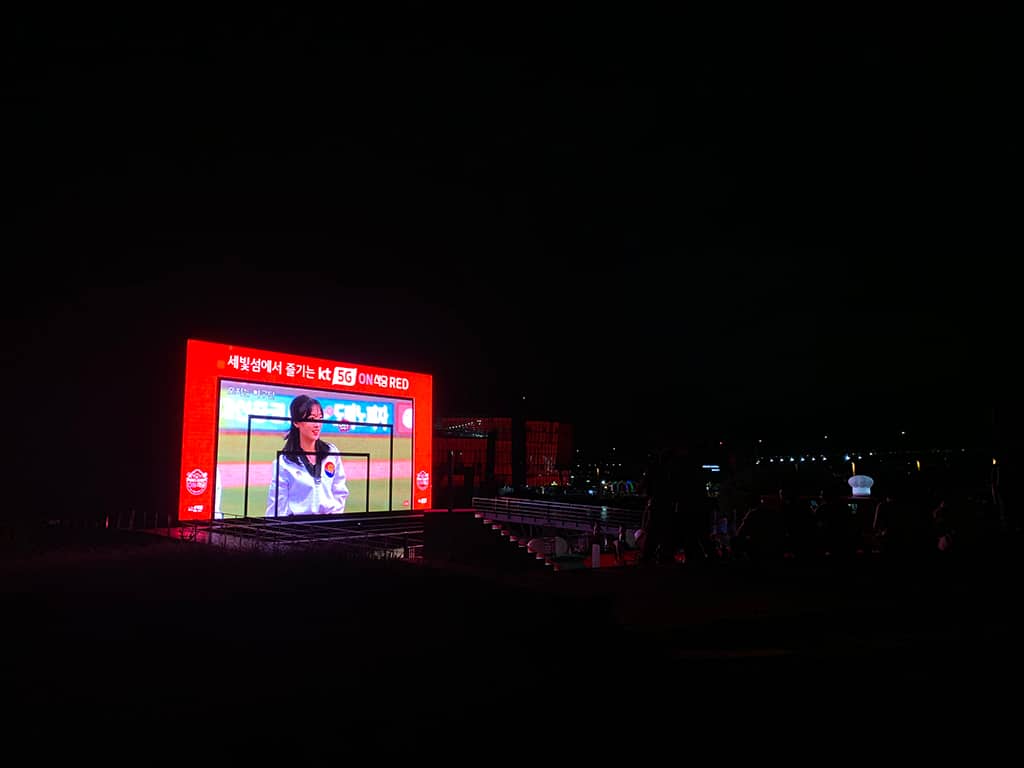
(207, 363)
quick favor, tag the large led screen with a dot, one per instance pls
(372, 426)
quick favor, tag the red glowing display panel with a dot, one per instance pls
(234, 462)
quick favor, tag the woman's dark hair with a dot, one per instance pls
(301, 407)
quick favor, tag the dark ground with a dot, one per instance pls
(120, 640)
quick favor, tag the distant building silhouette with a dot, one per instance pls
(488, 453)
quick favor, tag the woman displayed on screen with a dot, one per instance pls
(309, 477)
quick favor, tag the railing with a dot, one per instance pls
(378, 538)
(575, 517)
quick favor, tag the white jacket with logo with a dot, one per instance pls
(297, 492)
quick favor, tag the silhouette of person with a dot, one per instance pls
(660, 504)
(620, 545)
(942, 528)
(880, 522)
(675, 515)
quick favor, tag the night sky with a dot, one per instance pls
(646, 225)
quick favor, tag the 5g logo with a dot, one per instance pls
(345, 377)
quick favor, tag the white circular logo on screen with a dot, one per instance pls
(422, 479)
(196, 481)
(407, 418)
